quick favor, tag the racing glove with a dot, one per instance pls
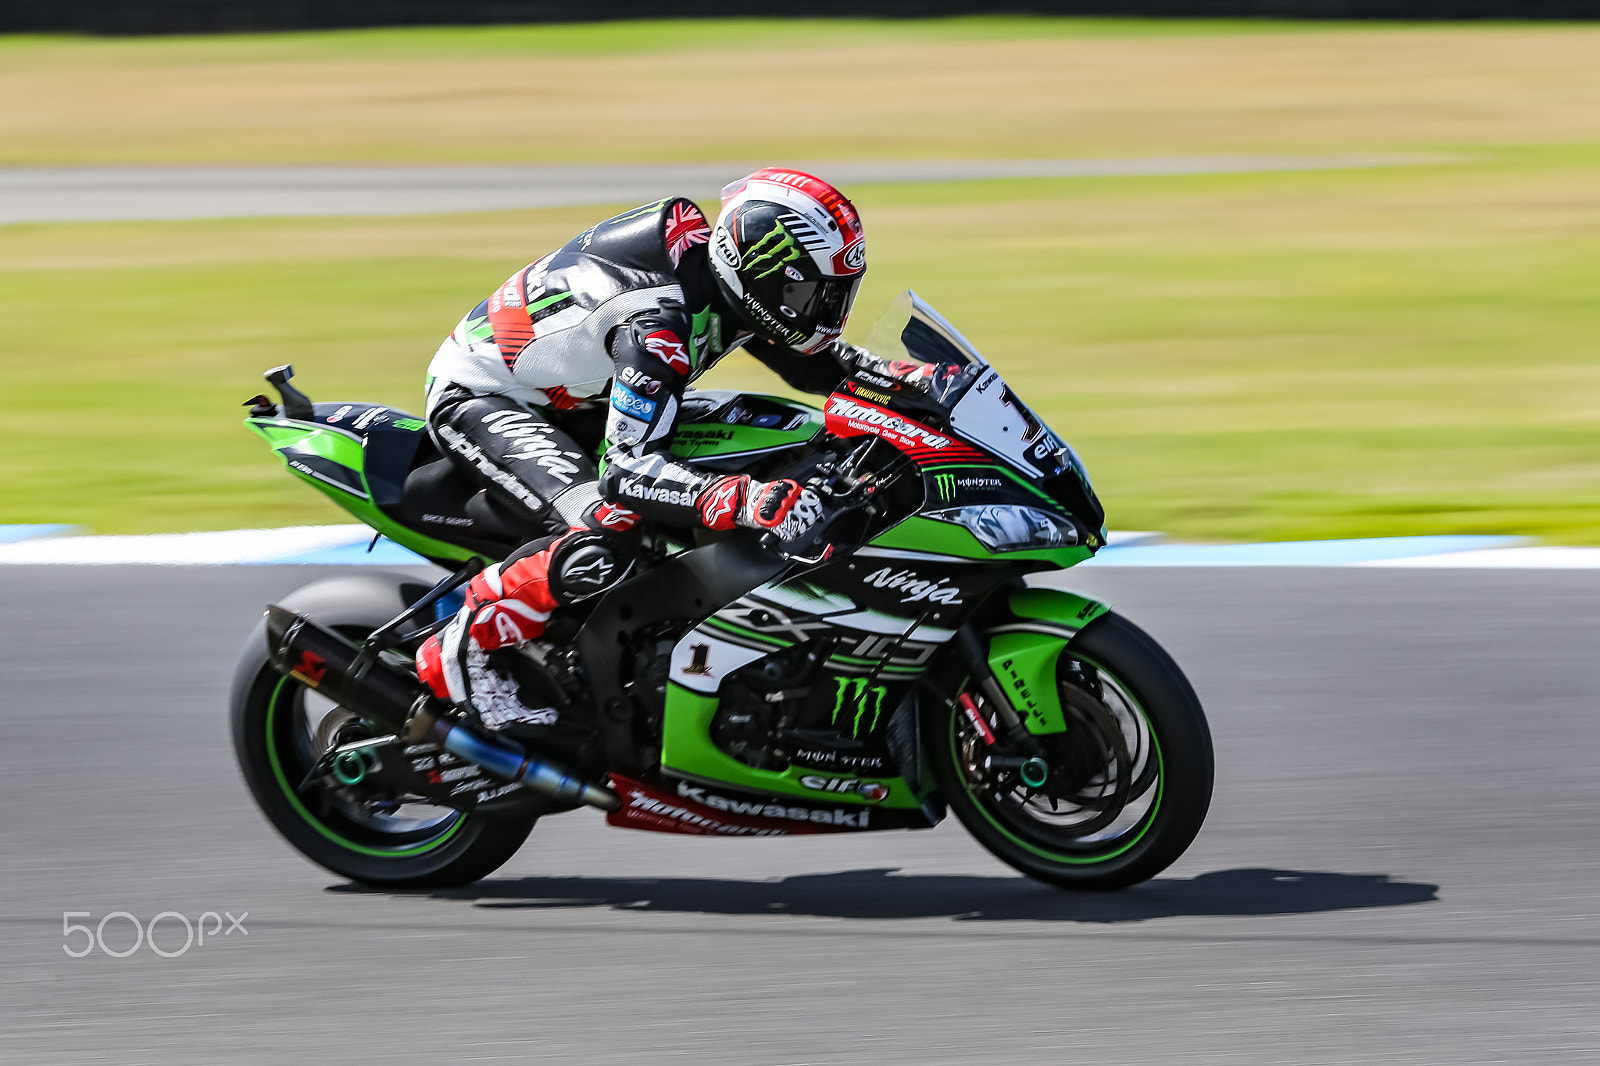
(782, 507)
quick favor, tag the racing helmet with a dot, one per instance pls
(788, 255)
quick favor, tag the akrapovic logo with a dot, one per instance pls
(875, 418)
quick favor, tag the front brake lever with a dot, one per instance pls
(770, 542)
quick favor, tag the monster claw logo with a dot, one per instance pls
(946, 484)
(855, 692)
(777, 248)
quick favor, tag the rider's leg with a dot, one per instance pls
(530, 465)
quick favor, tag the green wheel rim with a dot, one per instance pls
(274, 701)
(1123, 845)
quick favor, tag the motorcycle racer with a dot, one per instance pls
(628, 313)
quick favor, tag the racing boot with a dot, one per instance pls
(507, 605)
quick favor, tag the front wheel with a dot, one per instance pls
(1110, 802)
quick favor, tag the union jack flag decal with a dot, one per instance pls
(686, 227)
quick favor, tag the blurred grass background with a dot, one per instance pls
(1338, 353)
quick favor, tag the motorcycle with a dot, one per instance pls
(891, 668)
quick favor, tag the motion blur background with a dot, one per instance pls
(1400, 865)
(1402, 349)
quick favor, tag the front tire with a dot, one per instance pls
(280, 728)
(1137, 758)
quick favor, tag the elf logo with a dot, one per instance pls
(871, 791)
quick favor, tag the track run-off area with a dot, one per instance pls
(1400, 865)
(102, 194)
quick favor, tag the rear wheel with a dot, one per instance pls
(281, 729)
(1113, 800)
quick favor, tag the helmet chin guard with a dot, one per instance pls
(788, 254)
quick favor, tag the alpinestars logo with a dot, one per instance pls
(883, 423)
(665, 346)
(913, 587)
(718, 509)
(760, 809)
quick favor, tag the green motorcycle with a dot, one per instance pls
(893, 667)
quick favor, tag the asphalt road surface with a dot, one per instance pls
(1402, 865)
(87, 194)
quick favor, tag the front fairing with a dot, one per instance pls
(1008, 477)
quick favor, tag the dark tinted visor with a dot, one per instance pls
(825, 302)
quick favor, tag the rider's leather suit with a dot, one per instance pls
(627, 312)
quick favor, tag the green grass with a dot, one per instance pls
(1271, 356)
(798, 90)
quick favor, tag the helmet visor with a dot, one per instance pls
(825, 303)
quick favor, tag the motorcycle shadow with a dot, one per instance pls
(884, 894)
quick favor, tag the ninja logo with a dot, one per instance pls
(531, 440)
(855, 695)
(913, 587)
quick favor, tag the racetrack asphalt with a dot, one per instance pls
(1401, 866)
(89, 194)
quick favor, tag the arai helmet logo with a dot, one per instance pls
(913, 587)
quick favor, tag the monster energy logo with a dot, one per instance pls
(946, 484)
(776, 248)
(855, 692)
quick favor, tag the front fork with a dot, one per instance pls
(1015, 670)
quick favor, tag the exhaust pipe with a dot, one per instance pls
(322, 660)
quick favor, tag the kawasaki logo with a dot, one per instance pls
(774, 249)
(640, 491)
(762, 809)
(855, 694)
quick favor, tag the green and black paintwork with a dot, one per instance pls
(732, 671)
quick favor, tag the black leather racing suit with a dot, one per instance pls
(626, 312)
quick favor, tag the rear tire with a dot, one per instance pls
(274, 739)
(1152, 766)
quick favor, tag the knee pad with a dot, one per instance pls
(587, 562)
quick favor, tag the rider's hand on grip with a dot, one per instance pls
(783, 507)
